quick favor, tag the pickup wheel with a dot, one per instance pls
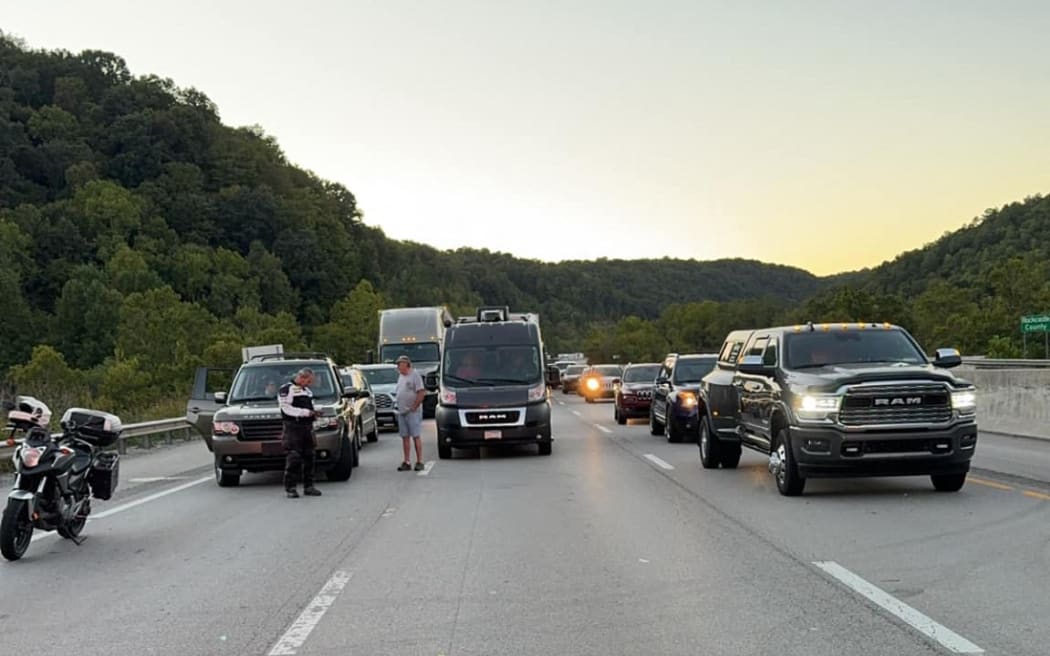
(948, 482)
(710, 449)
(729, 454)
(655, 427)
(374, 435)
(784, 468)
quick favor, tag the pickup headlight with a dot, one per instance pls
(817, 407)
(538, 393)
(965, 401)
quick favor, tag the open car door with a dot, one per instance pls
(203, 405)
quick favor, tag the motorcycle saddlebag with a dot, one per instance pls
(104, 475)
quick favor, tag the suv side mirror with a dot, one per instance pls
(220, 397)
(431, 381)
(946, 358)
(350, 392)
(752, 365)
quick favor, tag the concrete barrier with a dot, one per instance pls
(1012, 401)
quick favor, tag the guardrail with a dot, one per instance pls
(146, 433)
(1011, 363)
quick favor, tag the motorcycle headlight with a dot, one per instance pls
(31, 456)
(817, 407)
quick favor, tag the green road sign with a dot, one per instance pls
(1035, 323)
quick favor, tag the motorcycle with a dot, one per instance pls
(56, 476)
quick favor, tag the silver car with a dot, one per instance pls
(382, 378)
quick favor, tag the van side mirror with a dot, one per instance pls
(431, 381)
(946, 358)
(553, 376)
(752, 365)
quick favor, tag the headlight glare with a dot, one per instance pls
(965, 401)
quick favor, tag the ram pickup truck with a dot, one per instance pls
(838, 400)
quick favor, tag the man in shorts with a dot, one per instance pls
(410, 394)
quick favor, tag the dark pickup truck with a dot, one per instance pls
(838, 400)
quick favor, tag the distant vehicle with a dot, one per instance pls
(354, 381)
(839, 400)
(674, 406)
(599, 382)
(242, 424)
(634, 394)
(493, 388)
(382, 381)
(571, 377)
(418, 333)
(574, 358)
(249, 352)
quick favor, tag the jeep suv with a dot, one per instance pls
(634, 393)
(838, 400)
(243, 426)
(673, 410)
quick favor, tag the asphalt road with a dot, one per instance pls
(618, 543)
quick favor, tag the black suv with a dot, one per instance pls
(837, 400)
(674, 406)
(241, 424)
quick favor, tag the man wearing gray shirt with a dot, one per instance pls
(409, 394)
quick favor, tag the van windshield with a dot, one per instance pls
(416, 352)
(492, 365)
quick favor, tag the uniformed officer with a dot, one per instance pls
(297, 409)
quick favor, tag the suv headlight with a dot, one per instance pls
(687, 399)
(325, 423)
(225, 428)
(965, 401)
(538, 393)
(817, 407)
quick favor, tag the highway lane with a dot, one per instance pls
(597, 549)
(977, 560)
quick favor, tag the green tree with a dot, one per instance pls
(354, 326)
(128, 272)
(85, 327)
(48, 377)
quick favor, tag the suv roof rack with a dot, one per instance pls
(294, 355)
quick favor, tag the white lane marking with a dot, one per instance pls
(155, 479)
(426, 468)
(561, 402)
(153, 497)
(659, 462)
(127, 506)
(577, 413)
(311, 616)
(602, 428)
(945, 636)
(388, 512)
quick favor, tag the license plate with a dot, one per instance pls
(493, 435)
(272, 448)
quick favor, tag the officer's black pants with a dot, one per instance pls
(299, 455)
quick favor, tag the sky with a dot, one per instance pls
(829, 135)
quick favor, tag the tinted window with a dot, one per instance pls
(492, 365)
(769, 358)
(645, 374)
(261, 382)
(574, 370)
(608, 370)
(816, 349)
(758, 346)
(691, 371)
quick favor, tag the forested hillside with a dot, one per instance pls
(140, 237)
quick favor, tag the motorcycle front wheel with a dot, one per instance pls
(16, 529)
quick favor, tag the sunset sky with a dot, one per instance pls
(827, 135)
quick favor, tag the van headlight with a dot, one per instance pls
(538, 393)
(965, 401)
(817, 407)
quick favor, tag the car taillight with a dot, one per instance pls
(31, 456)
